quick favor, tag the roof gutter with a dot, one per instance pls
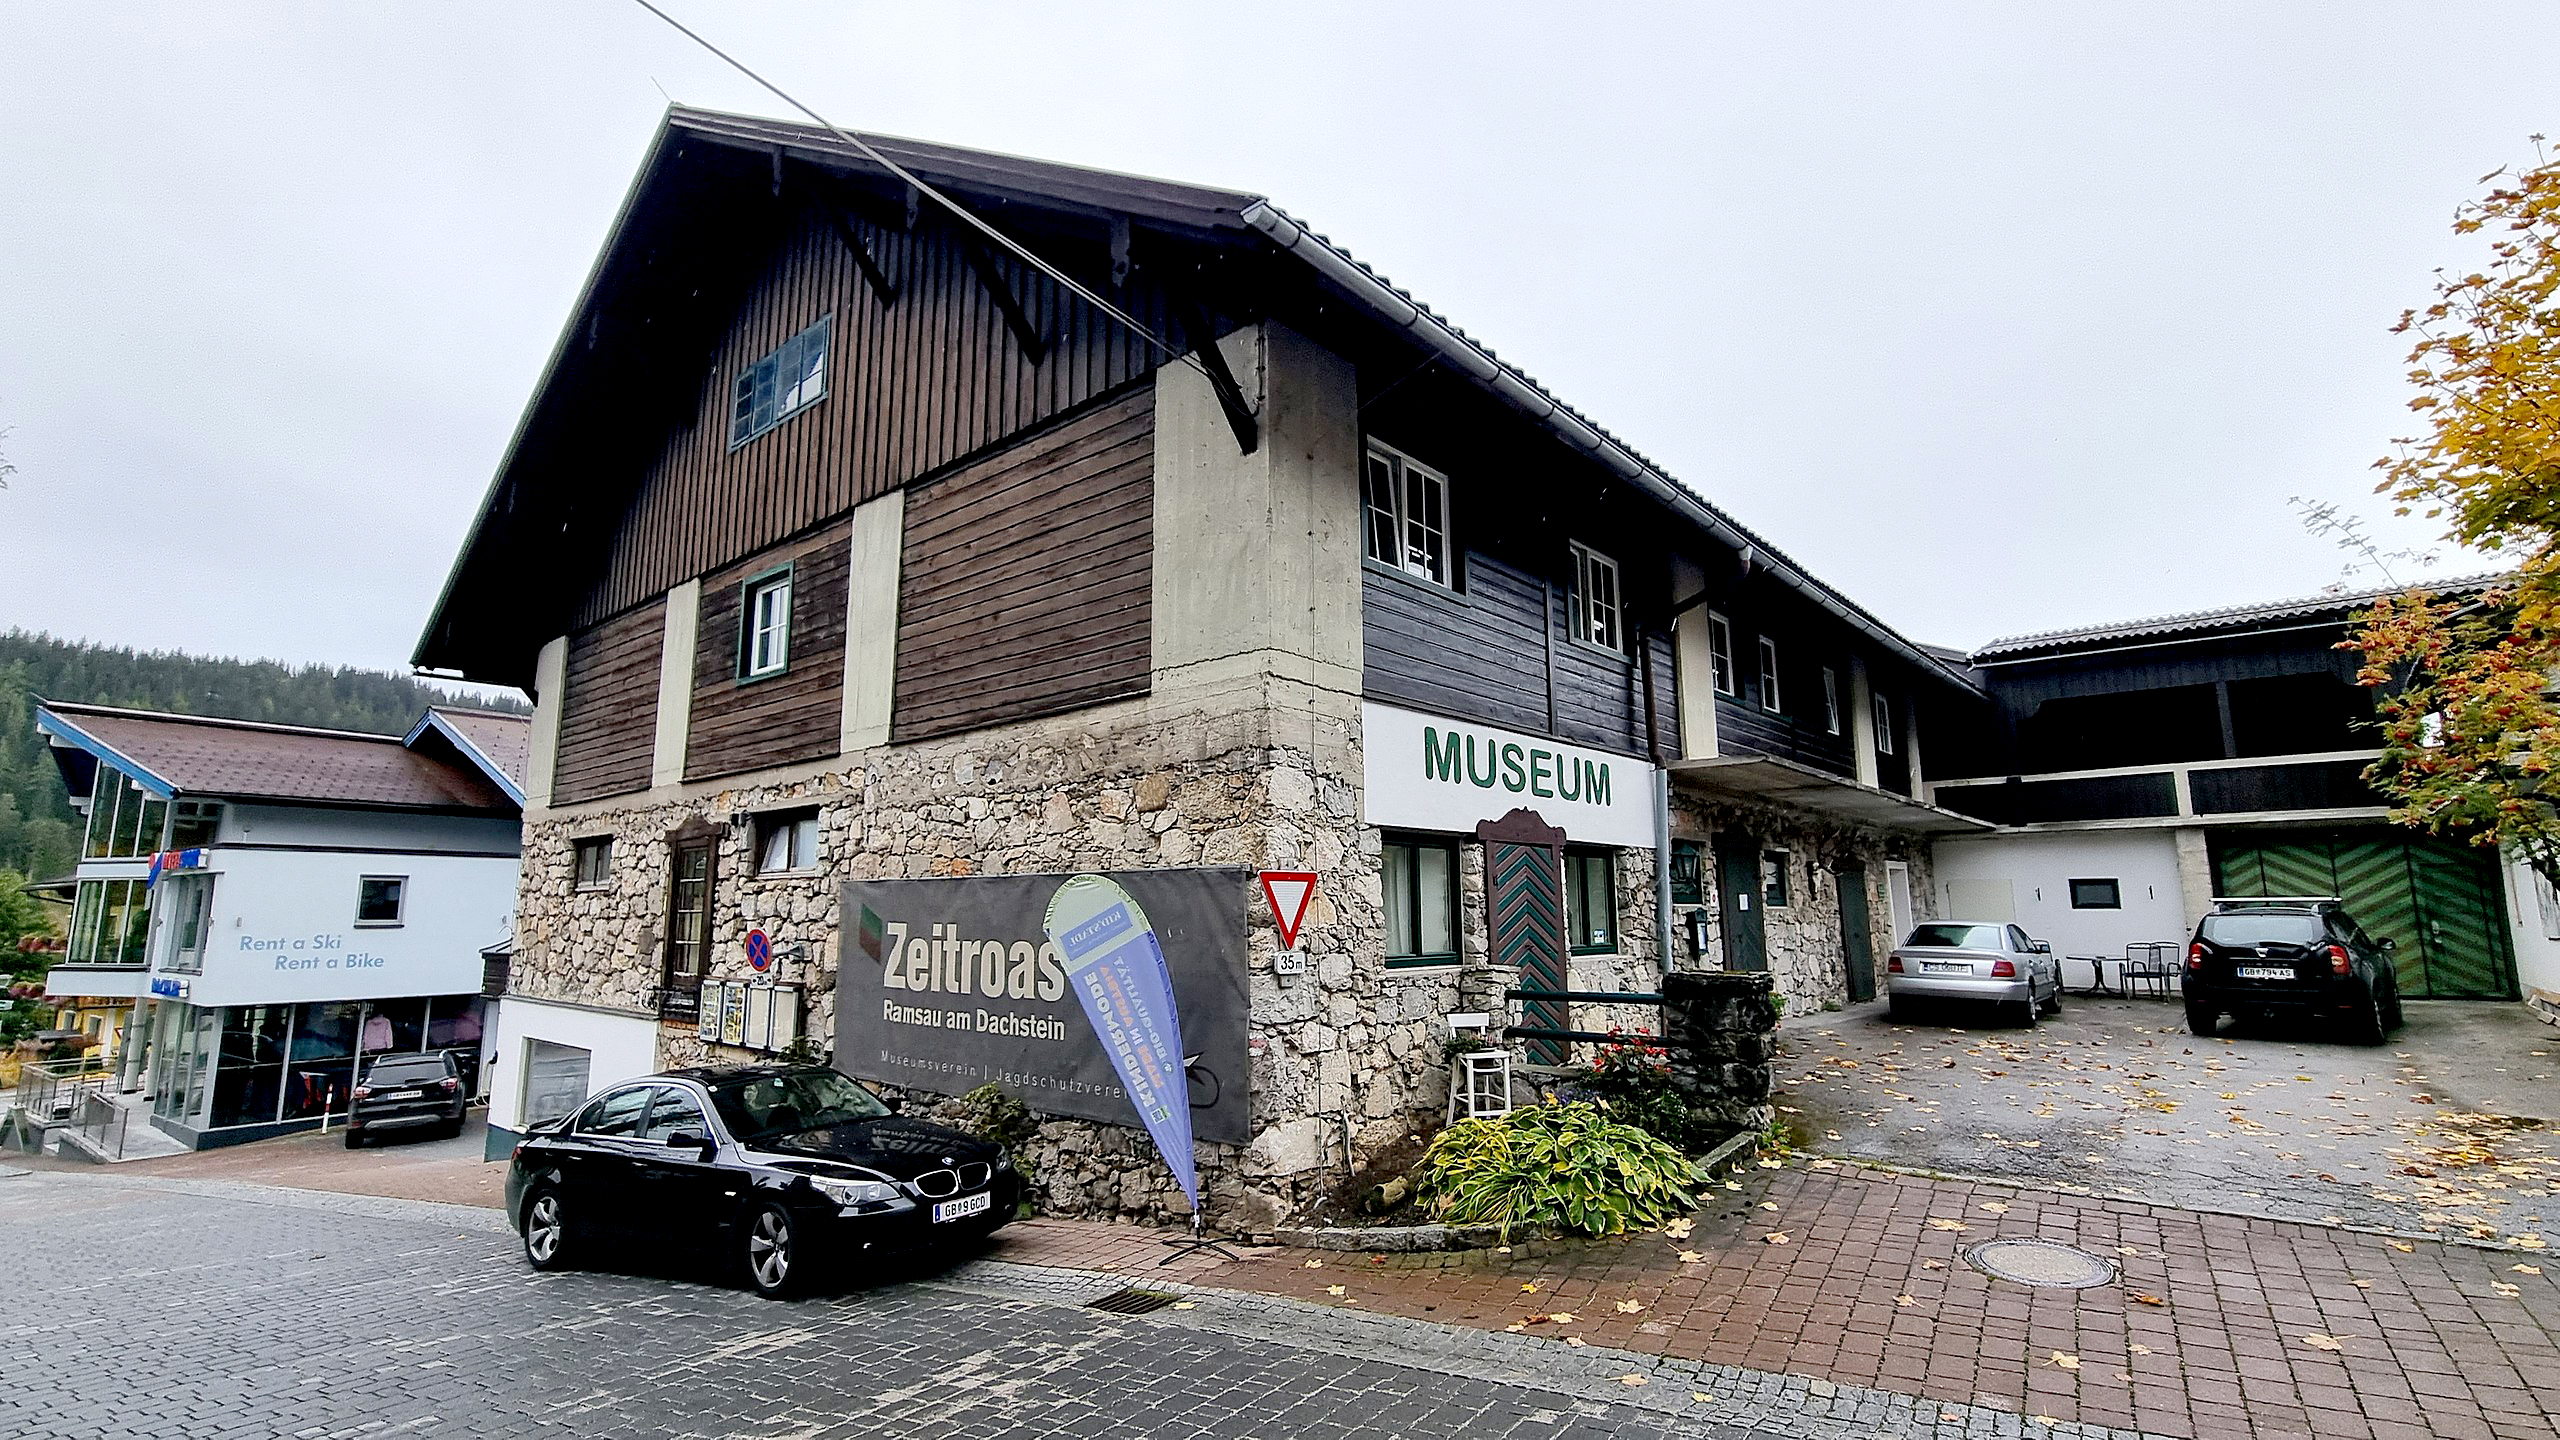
(1516, 390)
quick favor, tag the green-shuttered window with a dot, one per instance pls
(1420, 881)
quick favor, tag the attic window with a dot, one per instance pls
(781, 384)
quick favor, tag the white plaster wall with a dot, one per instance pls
(2533, 922)
(284, 926)
(2039, 869)
(619, 1047)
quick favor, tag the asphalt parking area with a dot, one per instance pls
(2447, 1130)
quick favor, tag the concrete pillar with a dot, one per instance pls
(871, 621)
(1257, 557)
(1862, 721)
(2195, 877)
(550, 682)
(675, 684)
(1693, 665)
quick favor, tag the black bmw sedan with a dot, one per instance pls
(787, 1167)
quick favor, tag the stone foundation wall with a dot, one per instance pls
(1721, 1032)
(1806, 954)
(1345, 1058)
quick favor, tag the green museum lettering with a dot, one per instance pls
(1551, 774)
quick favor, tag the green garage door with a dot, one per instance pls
(2439, 900)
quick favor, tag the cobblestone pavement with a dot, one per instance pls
(2442, 1131)
(207, 1308)
(2218, 1327)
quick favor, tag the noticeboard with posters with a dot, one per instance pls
(946, 985)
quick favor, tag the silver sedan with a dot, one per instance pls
(1982, 962)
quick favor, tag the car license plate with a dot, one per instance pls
(403, 1095)
(2265, 972)
(1946, 965)
(963, 1208)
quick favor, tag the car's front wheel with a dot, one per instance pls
(548, 1243)
(774, 1253)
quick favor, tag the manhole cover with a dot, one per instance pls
(1132, 1301)
(2041, 1263)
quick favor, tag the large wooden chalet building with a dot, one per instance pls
(858, 569)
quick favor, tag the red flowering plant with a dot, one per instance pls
(1630, 1077)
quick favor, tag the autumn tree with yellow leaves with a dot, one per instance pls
(2465, 683)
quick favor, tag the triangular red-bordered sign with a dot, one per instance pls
(1288, 891)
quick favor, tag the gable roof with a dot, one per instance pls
(638, 245)
(199, 757)
(497, 743)
(2309, 610)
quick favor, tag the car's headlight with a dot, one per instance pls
(850, 1193)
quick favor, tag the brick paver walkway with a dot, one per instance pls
(1869, 1287)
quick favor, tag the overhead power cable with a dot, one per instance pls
(962, 212)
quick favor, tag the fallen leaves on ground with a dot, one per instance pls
(1904, 1301)
(1186, 1304)
(2065, 1360)
(1575, 1341)
(1995, 1207)
(1632, 1380)
(1690, 1257)
(1776, 1237)
(2145, 1298)
(1950, 1225)
(1315, 1264)
(1334, 1290)
(2526, 1269)
(1679, 1229)
(2323, 1342)
(2139, 1349)
(1630, 1307)
(2403, 1246)
(1528, 1288)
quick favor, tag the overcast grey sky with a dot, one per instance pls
(1999, 317)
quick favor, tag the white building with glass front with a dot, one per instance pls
(275, 905)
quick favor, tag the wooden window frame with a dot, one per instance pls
(1883, 709)
(765, 371)
(1397, 514)
(1720, 672)
(705, 835)
(1771, 700)
(751, 590)
(579, 850)
(1607, 859)
(1413, 845)
(1596, 626)
(1830, 701)
(1777, 886)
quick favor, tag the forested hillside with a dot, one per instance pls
(39, 831)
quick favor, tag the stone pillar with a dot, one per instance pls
(675, 684)
(871, 621)
(550, 681)
(1721, 1030)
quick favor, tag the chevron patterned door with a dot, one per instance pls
(2439, 901)
(1524, 901)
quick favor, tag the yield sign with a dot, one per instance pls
(1288, 891)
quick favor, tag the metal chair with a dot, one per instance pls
(2150, 968)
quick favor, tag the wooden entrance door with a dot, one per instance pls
(1524, 915)
(1857, 947)
(1746, 945)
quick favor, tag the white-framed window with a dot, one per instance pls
(1596, 602)
(765, 648)
(187, 903)
(379, 899)
(1884, 725)
(786, 842)
(781, 385)
(1769, 699)
(1407, 505)
(1830, 701)
(1774, 890)
(1720, 654)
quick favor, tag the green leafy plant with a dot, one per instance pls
(996, 1114)
(1568, 1166)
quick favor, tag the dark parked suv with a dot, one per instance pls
(408, 1092)
(2306, 957)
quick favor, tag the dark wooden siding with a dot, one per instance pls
(912, 388)
(1499, 654)
(785, 719)
(1025, 584)
(609, 707)
(1807, 645)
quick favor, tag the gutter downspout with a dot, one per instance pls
(1465, 356)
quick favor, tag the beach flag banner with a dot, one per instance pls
(1115, 965)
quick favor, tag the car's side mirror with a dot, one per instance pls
(2387, 943)
(688, 1140)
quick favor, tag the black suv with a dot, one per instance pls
(405, 1092)
(2305, 957)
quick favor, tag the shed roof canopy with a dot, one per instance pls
(1784, 782)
